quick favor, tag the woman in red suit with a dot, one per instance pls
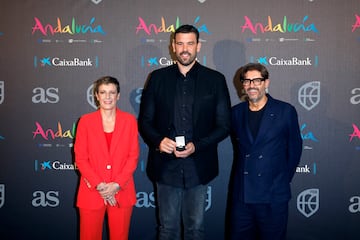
(106, 154)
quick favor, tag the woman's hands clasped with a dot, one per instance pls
(108, 191)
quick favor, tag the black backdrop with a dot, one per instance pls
(51, 52)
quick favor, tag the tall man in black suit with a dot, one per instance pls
(268, 146)
(184, 113)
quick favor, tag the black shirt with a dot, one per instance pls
(182, 172)
(255, 120)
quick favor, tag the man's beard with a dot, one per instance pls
(256, 99)
(186, 63)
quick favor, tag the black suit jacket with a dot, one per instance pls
(265, 166)
(211, 118)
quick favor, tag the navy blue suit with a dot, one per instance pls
(264, 166)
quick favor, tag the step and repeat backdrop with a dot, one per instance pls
(52, 51)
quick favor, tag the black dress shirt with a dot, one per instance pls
(183, 171)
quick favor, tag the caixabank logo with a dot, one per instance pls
(156, 62)
(61, 62)
(53, 165)
(307, 169)
(288, 61)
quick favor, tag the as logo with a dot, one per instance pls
(45, 199)
(145, 200)
(355, 99)
(2, 195)
(49, 95)
(354, 207)
(2, 93)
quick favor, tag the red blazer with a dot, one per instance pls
(92, 157)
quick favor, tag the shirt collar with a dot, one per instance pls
(192, 73)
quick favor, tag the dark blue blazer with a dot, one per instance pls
(211, 118)
(264, 167)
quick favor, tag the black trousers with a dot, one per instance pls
(258, 221)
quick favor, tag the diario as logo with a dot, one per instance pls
(147, 200)
(2, 92)
(45, 199)
(355, 98)
(354, 206)
(2, 195)
(42, 95)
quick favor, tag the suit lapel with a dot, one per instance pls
(170, 91)
(198, 86)
(247, 127)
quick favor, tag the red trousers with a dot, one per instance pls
(91, 223)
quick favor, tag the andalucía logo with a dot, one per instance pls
(52, 134)
(259, 30)
(286, 26)
(60, 28)
(72, 28)
(355, 135)
(356, 25)
(307, 136)
(65, 62)
(151, 29)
